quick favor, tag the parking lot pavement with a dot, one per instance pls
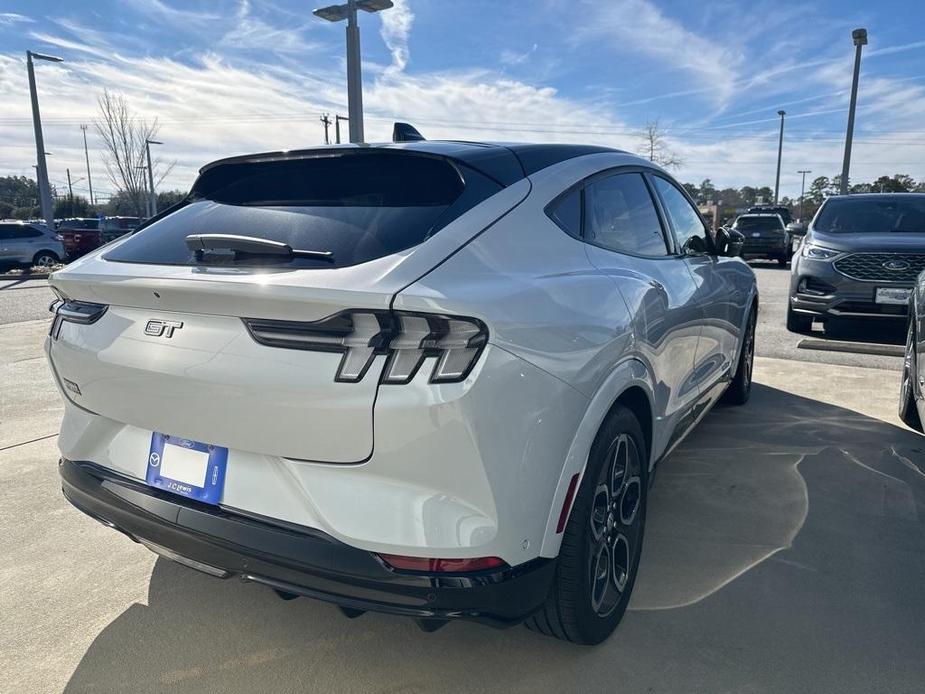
(23, 300)
(773, 339)
(785, 550)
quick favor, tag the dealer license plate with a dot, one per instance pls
(188, 468)
(892, 295)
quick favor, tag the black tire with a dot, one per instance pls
(799, 323)
(908, 411)
(45, 259)
(579, 607)
(740, 389)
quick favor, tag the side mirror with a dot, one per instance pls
(796, 229)
(729, 242)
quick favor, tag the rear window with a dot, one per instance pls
(758, 223)
(866, 215)
(359, 206)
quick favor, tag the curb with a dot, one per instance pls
(877, 349)
(26, 276)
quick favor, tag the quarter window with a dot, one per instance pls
(620, 215)
(567, 213)
(684, 218)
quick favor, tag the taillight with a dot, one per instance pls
(71, 311)
(407, 339)
(83, 312)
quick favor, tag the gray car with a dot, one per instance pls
(859, 259)
(22, 243)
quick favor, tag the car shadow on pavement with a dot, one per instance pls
(785, 551)
(887, 331)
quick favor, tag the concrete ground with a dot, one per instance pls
(784, 552)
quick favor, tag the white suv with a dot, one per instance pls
(430, 379)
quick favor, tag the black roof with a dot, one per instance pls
(507, 163)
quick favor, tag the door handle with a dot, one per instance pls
(657, 285)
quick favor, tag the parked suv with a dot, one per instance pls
(765, 237)
(29, 244)
(429, 378)
(114, 227)
(859, 259)
(80, 234)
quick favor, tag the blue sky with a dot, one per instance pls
(234, 76)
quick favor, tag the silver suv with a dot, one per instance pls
(34, 245)
(859, 259)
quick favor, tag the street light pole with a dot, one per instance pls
(859, 36)
(87, 157)
(780, 149)
(802, 190)
(48, 210)
(348, 11)
(354, 75)
(337, 119)
(152, 198)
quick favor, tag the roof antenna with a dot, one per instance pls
(404, 132)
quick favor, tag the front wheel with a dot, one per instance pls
(599, 556)
(799, 323)
(908, 411)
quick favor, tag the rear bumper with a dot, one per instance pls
(298, 560)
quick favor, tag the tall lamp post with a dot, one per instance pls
(348, 11)
(48, 210)
(859, 36)
(152, 198)
(780, 149)
(802, 190)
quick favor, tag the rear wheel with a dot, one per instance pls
(740, 389)
(799, 322)
(602, 543)
(45, 259)
(908, 411)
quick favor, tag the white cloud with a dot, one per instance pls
(641, 26)
(396, 29)
(10, 18)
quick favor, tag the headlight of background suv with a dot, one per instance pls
(818, 252)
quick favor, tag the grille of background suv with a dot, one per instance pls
(872, 266)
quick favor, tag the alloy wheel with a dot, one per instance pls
(615, 525)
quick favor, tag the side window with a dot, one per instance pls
(567, 213)
(31, 232)
(620, 215)
(5, 231)
(684, 218)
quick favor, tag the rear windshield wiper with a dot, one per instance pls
(250, 246)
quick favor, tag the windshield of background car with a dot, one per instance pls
(359, 206)
(872, 215)
(758, 224)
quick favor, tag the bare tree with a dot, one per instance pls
(124, 134)
(656, 149)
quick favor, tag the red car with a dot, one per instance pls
(80, 235)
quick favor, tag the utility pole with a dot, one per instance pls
(48, 210)
(859, 36)
(152, 197)
(70, 194)
(802, 190)
(337, 119)
(87, 157)
(348, 11)
(780, 149)
(326, 122)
